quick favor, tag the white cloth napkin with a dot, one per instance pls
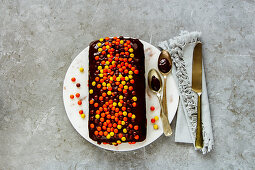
(181, 50)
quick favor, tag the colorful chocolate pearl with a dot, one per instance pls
(90, 91)
(81, 69)
(155, 126)
(79, 102)
(152, 108)
(123, 139)
(152, 120)
(73, 79)
(156, 118)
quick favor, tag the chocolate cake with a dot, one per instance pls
(117, 106)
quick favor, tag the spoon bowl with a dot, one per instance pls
(164, 58)
(154, 73)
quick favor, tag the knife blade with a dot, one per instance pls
(197, 87)
(197, 69)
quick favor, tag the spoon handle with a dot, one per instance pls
(164, 102)
(165, 122)
(164, 98)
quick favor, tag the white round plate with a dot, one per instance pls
(81, 125)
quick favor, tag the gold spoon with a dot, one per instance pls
(165, 67)
(155, 84)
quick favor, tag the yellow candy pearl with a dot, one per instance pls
(97, 116)
(131, 50)
(101, 71)
(108, 136)
(107, 62)
(130, 72)
(82, 115)
(99, 67)
(125, 130)
(90, 91)
(106, 67)
(81, 69)
(121, 41)
(99, 44)
(108, 55)
(126, 78)
(119, 104)
(133, 117)
(111, 78)
(107, 47)
(108, 85)
(93, 83)
(111, 133)
(118, 79)
(126, 87)
(123, 123)
(100, 50)
(118, 142)
(123, 82)
(156, 118)
(101, 75)
(132, 55)
(155, 127)
(103, 84)
(119, 126)
(120, 75)
(124, 113)
(123, 139)
(120, 97)
(101, 39)
(114, 104)
(134, 98)
(109, 93)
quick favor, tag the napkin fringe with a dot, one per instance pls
(175, 47)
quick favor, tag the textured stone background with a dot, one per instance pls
(38, 41)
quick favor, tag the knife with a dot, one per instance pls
(197, 88)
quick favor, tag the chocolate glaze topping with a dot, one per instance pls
(125, 104)
(164, 65)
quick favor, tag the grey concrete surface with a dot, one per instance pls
(39, 39)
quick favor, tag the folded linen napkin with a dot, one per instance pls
(181, 50)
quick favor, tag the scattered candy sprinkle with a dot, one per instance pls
(81, 69)
(79, 102)
(152, 108)
(156, 118)
(73, 79)
(71, 96)
(82, 115)
(152, 120)
(155, 126)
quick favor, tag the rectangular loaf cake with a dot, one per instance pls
(117, 106)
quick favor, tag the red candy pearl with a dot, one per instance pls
(73, 79)
(152, 108)
(79, 102)
(81, 112)
(152, 120)
(77, 95)
(71, 96)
